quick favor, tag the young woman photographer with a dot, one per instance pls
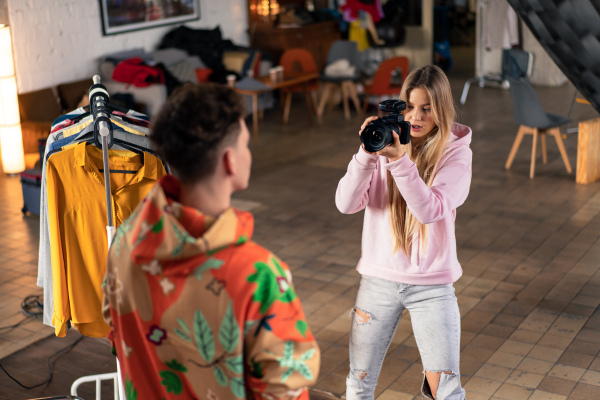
(410, 194)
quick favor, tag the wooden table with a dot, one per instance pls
(269, 86)
(588, 152)
(588, 148)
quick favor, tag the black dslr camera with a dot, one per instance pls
(378, 133)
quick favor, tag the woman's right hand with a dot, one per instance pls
(367, 122)
(363, 126)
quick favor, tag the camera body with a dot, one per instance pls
(378, 134)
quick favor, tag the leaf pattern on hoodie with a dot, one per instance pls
(271, 286)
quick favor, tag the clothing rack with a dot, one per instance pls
(99, 100)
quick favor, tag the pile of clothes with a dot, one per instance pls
(183, 55)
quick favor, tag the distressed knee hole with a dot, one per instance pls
(429, 390)
(362, 317)
(360, 374)
(449, 372)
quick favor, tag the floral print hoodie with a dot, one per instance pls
(199, 311)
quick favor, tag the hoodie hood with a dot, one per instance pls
(460, 135)
(458, 142)
(165, 230)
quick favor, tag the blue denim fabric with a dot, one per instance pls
(436, 326)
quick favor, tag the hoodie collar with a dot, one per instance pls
(167, 230)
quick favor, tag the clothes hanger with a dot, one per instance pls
(126, 146)
(111, 107)
(95, 140)
(107, 109)
(86, 136)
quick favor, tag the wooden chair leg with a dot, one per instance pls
(543, 140)
(309, 108)
(561, 148)
(515, 146)
(533, 149)
(315, 103)
(354, 95)
(365, 105)
(324, 98)
(337, 88)
(286, 108)
(345, 96)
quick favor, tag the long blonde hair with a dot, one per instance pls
(433, 80)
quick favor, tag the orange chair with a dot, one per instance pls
(382, 81)
(295, 62)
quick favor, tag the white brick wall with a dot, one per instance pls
(58, 41)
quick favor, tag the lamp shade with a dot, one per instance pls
(11, 139)
(9, 103)
(7, 67)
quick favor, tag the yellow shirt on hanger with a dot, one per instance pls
(77, 219)
(66, 132)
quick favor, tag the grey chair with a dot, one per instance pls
(341, 49)
(533, 120)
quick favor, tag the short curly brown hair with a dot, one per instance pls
(193, 124)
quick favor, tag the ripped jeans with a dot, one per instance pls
(436, 326)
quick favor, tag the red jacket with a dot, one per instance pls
(133, 70)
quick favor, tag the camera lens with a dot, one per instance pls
(376, 136)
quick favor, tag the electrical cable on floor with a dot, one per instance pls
(31, 306)
(69, 347)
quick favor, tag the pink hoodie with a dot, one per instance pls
(365, 187)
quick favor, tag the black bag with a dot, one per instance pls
(31, 182)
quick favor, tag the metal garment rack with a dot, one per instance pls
(99, 100)
(481, 79)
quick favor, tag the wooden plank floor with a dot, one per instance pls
(530, 251)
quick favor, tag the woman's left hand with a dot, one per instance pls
(394, 150)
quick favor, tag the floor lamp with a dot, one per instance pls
(11, 139)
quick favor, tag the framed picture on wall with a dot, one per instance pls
(120, 16)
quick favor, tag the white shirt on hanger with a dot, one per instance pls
(499, 28)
